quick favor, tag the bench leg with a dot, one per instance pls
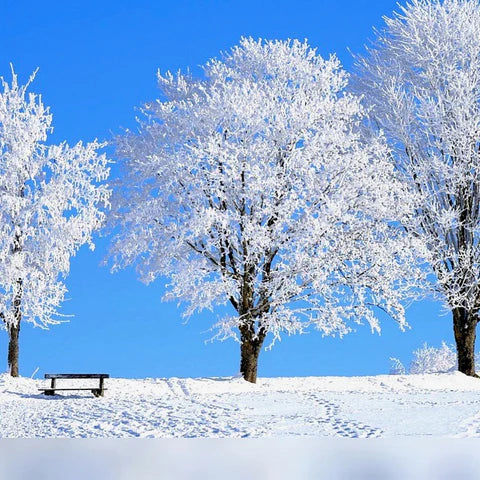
(52, 385)
(97, 392)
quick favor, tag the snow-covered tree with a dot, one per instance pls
(50, 203)
(433, 360)
(422, 80)
(430, 360)
(253, 186)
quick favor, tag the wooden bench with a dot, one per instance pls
(98, 392)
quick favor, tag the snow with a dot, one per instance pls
(389, 406)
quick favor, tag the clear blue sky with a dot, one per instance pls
(98, 61)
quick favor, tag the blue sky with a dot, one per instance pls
(98, 61)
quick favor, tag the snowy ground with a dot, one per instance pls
(442, 405)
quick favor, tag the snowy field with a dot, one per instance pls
(441, 405)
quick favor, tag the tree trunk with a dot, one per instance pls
(252, 334)
(13, 332)
(464, 327)
(250, 350)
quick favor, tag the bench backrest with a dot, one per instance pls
(77, 375)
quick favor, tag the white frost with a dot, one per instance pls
(50, 203)
(255, 187)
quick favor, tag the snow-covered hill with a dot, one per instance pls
(445, 405)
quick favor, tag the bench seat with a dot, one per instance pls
(76, 375)
(98, 392)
